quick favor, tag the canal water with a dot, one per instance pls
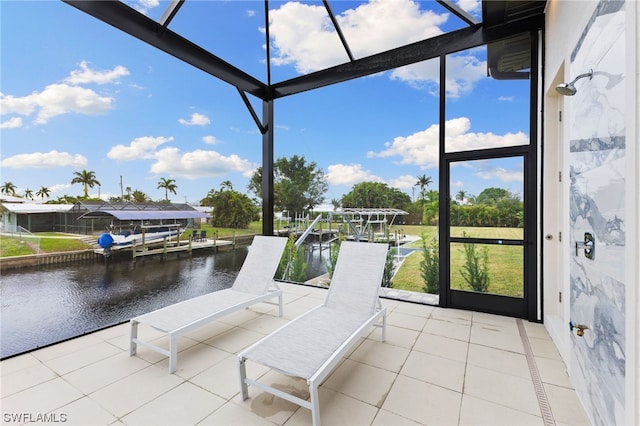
(49, 304)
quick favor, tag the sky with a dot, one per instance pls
(77, 94)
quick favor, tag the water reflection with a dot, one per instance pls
(49, 304)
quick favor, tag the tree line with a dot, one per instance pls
(300, 186)
(87, 178)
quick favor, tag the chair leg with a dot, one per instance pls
(315, 404)
(243, 375)
(384, 327)
(173, 353)
(133, 346)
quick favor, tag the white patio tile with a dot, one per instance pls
(361, 382)
(82, 357)
(195, 404)
(223, 378)
(336, 409)
(128, 394)
(544, 348)
(411, 322)
(478, 412)
(503, 389)
(553, 371)
(43, 398)
(414, 378)
(499, 360)
(234, 340)
(25, 378)
(435, 370)
(68, 347)
(442, 346)
(92, 377)
(85, 411)
(387, 418)
(423, 402)
(231, 414)
(566, 406)
(497, 337)
(17, 363)
(381, 355)
(446, 328)
(396, 336)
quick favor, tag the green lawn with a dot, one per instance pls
(505, 264)
(33, 243)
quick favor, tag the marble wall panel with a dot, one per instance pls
(597, 157)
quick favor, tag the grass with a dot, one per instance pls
(46, 242)
(505, 262)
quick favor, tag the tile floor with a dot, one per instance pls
(437, 367)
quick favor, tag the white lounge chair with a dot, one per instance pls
(312, 345)
(253, 284)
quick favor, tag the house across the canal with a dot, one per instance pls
(94, 217)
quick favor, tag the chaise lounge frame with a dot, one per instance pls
(362, 262)
(253, 284)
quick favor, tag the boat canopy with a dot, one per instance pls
(146, 214)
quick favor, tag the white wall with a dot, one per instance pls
(599, 137)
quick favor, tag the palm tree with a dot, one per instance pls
(43, 192)
(226, 185)
(169, 185)
(139, 196)
(423, 183)
(28, 194)
(8, 188)
(460, 196)
(335, 203)
(87, 179)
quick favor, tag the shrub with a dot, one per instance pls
(389, 267)
(474, 270)
(430, 265)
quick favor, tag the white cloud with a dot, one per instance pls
(54, 100)
(195, 120)
(403, 182)
(303, 36)
(501, 174)
(60, 188)
(140, 148)
(211, 140)
(143, 6)
(45, 160)
(62, 98)
(12, 123)
(86, 75)
(506, 98)
(349, 174)
(198, 164)
(421, 148)
(469, 6)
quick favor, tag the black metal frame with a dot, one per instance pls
(501, 20)
(527, 306)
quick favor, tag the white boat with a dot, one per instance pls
(146, 235)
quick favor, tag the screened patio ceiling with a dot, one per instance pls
(500, 28)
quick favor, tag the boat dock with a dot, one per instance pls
(166, 247)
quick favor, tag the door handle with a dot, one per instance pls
(588, 245)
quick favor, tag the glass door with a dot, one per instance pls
(486, 246)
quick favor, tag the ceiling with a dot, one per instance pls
(508, 55)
